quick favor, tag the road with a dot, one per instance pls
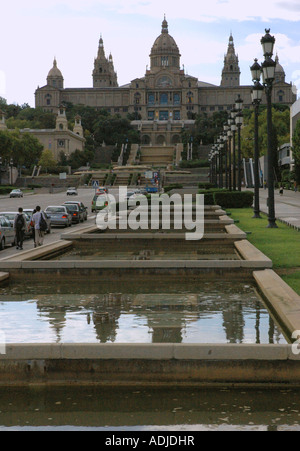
(287, 206)
(44, 200)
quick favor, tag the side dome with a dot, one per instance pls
(55, 77)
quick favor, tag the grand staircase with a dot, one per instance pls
(157, 156)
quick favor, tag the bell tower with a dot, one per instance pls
(231, 72)
(104, 75)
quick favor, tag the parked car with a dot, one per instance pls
(102, 190)
(16, 193)
(7, 233)
(98, 202)
(10, 215)
(72, 192)
(81, 206)
(29, 212)
(59, 215)
(76, 212)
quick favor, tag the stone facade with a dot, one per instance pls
(166, 95)
(58, 140)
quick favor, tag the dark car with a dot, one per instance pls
(76, 212)
(82, 207)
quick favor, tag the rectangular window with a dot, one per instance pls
(164, 99)
(150, 115)
(151, 99)
(176, 99)
(177, 116)
(163, 115)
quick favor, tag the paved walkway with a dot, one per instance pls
(287, 207)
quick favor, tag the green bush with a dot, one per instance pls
(33, 186)
(6, 189)
(234, 199)
(204, 185)
(173, 186)
(194, 164)
(227, 199)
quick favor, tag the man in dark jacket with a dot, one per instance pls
(20, 227)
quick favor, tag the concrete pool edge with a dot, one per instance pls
(152, 364)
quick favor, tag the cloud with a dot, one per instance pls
(289, 6)
(201, 11)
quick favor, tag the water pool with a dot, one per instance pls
(136, 312)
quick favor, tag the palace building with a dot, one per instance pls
(166, 99)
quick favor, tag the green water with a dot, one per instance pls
(138, 409)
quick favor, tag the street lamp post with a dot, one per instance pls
(229, 136)
(256, 95)
(233, 129)
(239, 123)
(220, 147)
(226, 154)
(268, 67)
(11, 164)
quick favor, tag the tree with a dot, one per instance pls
(24, 149)
(296, 152)
(281, 131)
(47, 160)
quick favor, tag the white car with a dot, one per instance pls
(10, 215)
(7, 233)
(16, 193)
(72, 192)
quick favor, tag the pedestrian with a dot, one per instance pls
(38, 233)
(265, 184)
(281, 190)
(32, 226)
(20, 227)
(295, 187)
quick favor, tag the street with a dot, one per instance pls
(45, 200)
(287, 206)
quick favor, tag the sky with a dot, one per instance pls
(34, 32)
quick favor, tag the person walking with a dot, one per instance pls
(20, 227)
(39, 233)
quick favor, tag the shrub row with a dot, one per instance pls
(194, 164)
(228, 199)
(6, 189)
(173, 186)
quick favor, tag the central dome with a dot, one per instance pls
(165, 52)
(165, 43)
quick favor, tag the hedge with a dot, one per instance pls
(205, 185)
(234, 199)
(173, 186)
(6, 189)
(228, 199)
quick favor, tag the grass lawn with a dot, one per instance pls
(281, 245)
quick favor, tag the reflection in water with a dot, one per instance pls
(207, 313)
(152, 409)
